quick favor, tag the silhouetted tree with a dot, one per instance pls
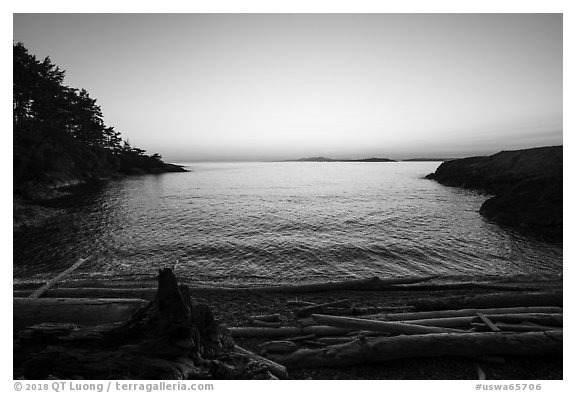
(42, 102)
(57, 127)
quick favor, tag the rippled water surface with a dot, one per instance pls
(245, 223)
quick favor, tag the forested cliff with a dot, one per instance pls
(59, 133)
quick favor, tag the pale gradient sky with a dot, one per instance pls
(281, 86)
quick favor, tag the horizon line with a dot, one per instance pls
(423, 157)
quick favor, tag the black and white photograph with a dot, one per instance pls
(287, 196)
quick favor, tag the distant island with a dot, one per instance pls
(428, 159)
(324, 159)
(526, 184)
(374, 159)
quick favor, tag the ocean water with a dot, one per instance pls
(269, 223)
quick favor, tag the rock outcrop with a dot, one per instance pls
(526, 184)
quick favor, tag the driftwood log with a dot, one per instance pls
(465, 285)
(37, 293)
(108, 293)
(321, 330)
(321, 308)
(517, 327)
(276, 369)
(248, 331)
(169, 338)
(537, 318)
(283, 346)
(30, 311)
(300, 303)
(486, 321)
(266, 318)
(336, 340)
(286, 331)
(308, 321)
(456, 322)
(379, 326)
(534, 299)
(374, 350)
(259, 323)
(367, 284)
(407, 316)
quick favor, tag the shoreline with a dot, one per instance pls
(34, 207)
(129, 280)
(235, 310)
(443, 368)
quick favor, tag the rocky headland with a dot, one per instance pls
(45, 167)
(34, 189)
(526, 186)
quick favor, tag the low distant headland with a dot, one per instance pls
(427, 159)
(373, 159)
(526, 184)
(324, 159)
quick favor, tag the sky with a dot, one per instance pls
(198, 87)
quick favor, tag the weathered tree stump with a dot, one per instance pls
(170, 338)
